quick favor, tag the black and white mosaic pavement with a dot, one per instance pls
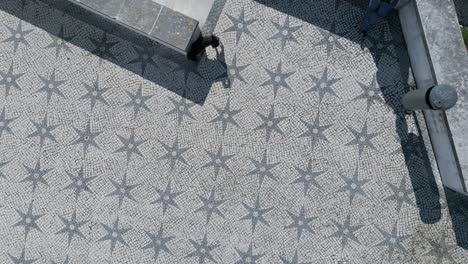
(297, 151)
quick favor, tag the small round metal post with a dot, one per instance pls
(439, 97)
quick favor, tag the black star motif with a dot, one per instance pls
(362, 139)
(370, 93)
(114, 234)
(300, 222)
(392, 241)
(10, 80)
(353, 186)
(210, 206)
(400, 194)
(188, 67)
(256, 214)
(278, 79)
(5, 123)
(72, 227)
(167, 198)
(270, 123)
(102, 48)
(144, 57)
(18, 36)
(441, 250)
(36, 175)
(94, 93)
(122, 190)
(226, 116)
(86, 137)
(28, 220)
(240, 25)
(218, 161)
(308, 177)
(263, 168)
(43, 131)
(21, 259)
(59, 42)
(202, 250)
(130, 145)
(138, 101)
(79, 183)
(233, 72)
(323, 85)
(181, 109)
(248, 257)
(295, 259)
(285, 32)
(174, 153)
(315, 131)
(51, 86)
(158, 242)
(330, 39)
(346, 231)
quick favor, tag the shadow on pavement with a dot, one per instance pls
(336, 20)
(148, 59)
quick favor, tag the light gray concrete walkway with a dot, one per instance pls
(295, 152)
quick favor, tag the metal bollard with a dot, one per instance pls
(439, 97)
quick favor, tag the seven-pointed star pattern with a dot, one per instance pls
(181, 109)
(370, 93)
(144, 57)
(401, 194)
(362, 139)
(174, 153)
(315, 131)
(218, 161)
(43, 131)
(102, 48)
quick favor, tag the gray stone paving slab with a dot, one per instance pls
(298, 152)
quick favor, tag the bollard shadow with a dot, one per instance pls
(103, 38)
(461, 6)
(387, 47)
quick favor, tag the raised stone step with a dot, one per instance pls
(151, 18)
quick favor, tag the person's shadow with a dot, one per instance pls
(146, 58)
(387, 46)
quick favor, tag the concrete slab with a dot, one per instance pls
(197, 9)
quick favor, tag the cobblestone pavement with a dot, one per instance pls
(297, 152)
